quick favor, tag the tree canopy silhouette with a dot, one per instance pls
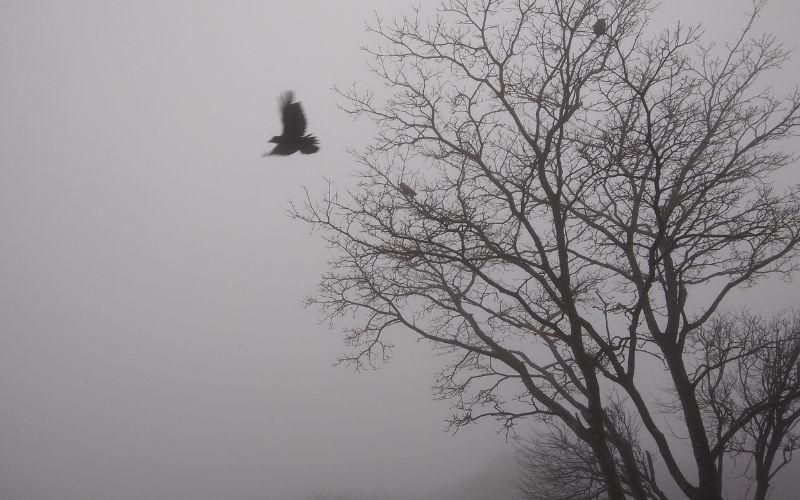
(587, 206)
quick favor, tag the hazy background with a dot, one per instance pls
(152, 339)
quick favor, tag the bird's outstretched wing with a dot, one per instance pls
(294, 121)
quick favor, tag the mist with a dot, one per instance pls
(153, 339)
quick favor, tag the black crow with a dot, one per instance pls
(600, 27)
(407, 190)
(294, 128)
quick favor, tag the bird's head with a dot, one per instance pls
(276, 139)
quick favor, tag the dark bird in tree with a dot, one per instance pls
(600, 27)
(577, 104)
(293, 138)
(407, 190)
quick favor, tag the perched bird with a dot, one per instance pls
(293, 138)
(600, 27)
(407, 190)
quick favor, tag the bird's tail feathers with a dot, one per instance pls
(308, 144)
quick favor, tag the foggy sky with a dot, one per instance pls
(153, 344)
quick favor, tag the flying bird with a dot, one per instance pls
(600, 27)
(407, 190)
(294, 137)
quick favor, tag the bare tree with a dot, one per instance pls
(585, 200)
(748, 385)
(555, 465)
(747, 374)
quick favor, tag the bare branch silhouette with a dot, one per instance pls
(586, 206)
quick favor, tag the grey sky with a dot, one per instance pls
(152, 339)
